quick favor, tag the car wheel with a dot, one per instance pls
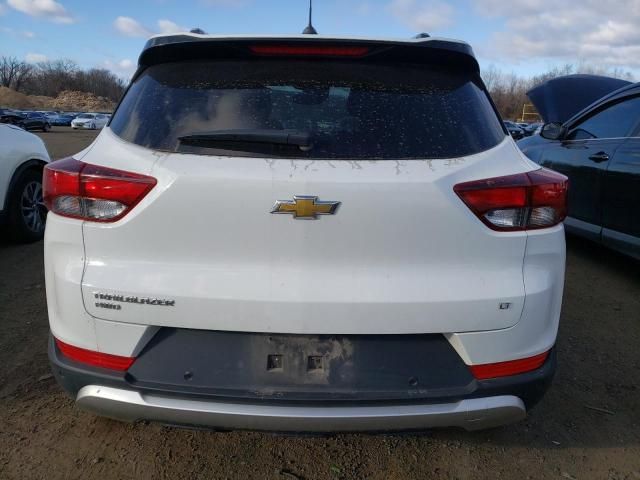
(93, 126)
(46, 127)
(27, 213)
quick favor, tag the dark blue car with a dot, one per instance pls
(63, 120)
(598, 148)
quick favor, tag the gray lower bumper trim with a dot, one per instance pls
(470, 414)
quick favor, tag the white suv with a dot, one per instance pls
(305, 233)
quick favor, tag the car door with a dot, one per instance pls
(27, 123)
(34, 121)
(621, 194)
(584, 155)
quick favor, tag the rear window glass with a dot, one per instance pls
(347, 110)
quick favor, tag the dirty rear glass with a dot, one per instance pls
(347, 110)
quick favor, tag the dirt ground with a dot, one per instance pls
(588, 425)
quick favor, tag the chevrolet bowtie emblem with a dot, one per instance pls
(305, 207)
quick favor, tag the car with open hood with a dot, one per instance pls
(596, 144)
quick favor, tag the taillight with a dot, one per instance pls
(524, 201)
(505, 369)
(90, 192)
(96, 359)
(304, 50)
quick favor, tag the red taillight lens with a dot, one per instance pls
(96, 359)
(505, 369)
(305, 51)
(91, 192)
(524, 201)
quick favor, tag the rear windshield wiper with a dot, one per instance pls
(241, 139)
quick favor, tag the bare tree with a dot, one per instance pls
(53, 77)
(101, 82)
(509, 91)
(14, 73)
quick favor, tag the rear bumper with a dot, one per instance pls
(470, 414)
(476, 405)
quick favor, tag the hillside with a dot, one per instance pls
(66, 100)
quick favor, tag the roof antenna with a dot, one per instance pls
(309, 30)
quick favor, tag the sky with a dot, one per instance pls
(524, 37)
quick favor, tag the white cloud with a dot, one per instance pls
(47, 9)
(3, 9)
(131, 27)
(35, 57)
(603, 33)
(126, 64)
(17, 34)
(167, 26)
(615, 33)
(124, 67)
(424, 15)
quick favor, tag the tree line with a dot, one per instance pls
(52, 77)
(509, 91)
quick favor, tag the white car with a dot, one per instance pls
(22, 158)
(305, 233)
(91, 121)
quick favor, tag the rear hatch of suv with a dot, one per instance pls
(381, 132)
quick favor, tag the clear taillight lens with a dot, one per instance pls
(524, 201)
(91, 192)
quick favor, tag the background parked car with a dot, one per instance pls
(63, 120)
(514, 130)
(89, 120)
(50, 115)
(22, 158)
(34, 121)
(531, 128)
(10, 116)
(599, 150)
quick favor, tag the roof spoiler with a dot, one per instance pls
(183, 47)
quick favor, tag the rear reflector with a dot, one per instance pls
(525, 201)
(91, 192)
(300, 50)
(96, 359)
(505, 369)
